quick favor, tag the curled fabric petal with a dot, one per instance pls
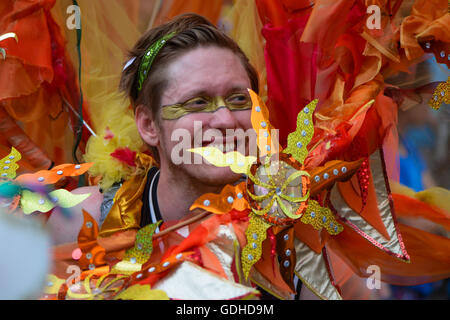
(93, 253)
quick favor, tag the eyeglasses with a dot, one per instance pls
(234, 101)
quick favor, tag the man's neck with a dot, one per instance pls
(176, 194)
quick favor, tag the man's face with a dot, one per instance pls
(211, 72)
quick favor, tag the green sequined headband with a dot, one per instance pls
(148, 58)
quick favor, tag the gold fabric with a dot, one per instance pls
(311, 269)
(355, 221)
(125, 213)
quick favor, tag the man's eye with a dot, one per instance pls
(239, 99)
(197, 103)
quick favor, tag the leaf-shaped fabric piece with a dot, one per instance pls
(264, 130)
(237, 162)
(299, 139)
(321, 217)
(31, 201)
(256, 233)
(8, 165)
(231, 197)
(140, 253)
(44, 177)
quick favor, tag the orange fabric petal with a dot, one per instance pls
(52, 176)
(219, 203)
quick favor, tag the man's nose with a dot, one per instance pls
(223, 119)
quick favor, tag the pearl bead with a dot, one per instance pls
(306, 122)
(89, 224)
(306, 109)
(344, 169)
(255, 236)
(152, 269)
(268, 148)
(317, 178)
(258, 109)
(254, 245)
(88, 255)
(335, 172)
(40, 179)
(313, 214)
(326, 176)
(250, 257)
(59, 172)
(41, 201)
(77, 166)
(240, 195)
(179, 256)
(303, 133)
(288, 253)
(230, 199)
(133, 260)
(139, 276)
(286, 263)
(166, 264)
(286, 237)
(206, 202)
(442, 54)
(263, 124)
(299, 145)
(91, 266)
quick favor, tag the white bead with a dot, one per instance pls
(266, 134)
(139, 246)
(254, 245)
(286, 237)
(263, 124)
(230, 160)
(91, 266)
(313, 214)
(240, 195)
(299, 145)
(442, 54)
(335, 172)
(442, 93)
(206, 202)
(258, 109)
(89, 224)
(344, 169)
(230, 199)
(255, 236)
(306, 109)
(206, 153)
(306, 122)
(250, 257)
(303, 133)
(427, 45)
(40, 179)
(288, 253)
(77, 166)
(152, 269)
(7, 161)
(148, 53)
(5, 168)
(59, 172)
(326, 176)
(268, 148)
(317, 178)
(49, 284)
(133, 260)
(286, 263)
(41, 201)
(11, 157)
(88, 255)
(166, 264)
(241, 164)
(179, 256)
(4, 174)
(139, 276)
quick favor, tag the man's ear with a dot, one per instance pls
(147, 127)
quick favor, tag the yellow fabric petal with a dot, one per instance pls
(237, 162)
(8, 165)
